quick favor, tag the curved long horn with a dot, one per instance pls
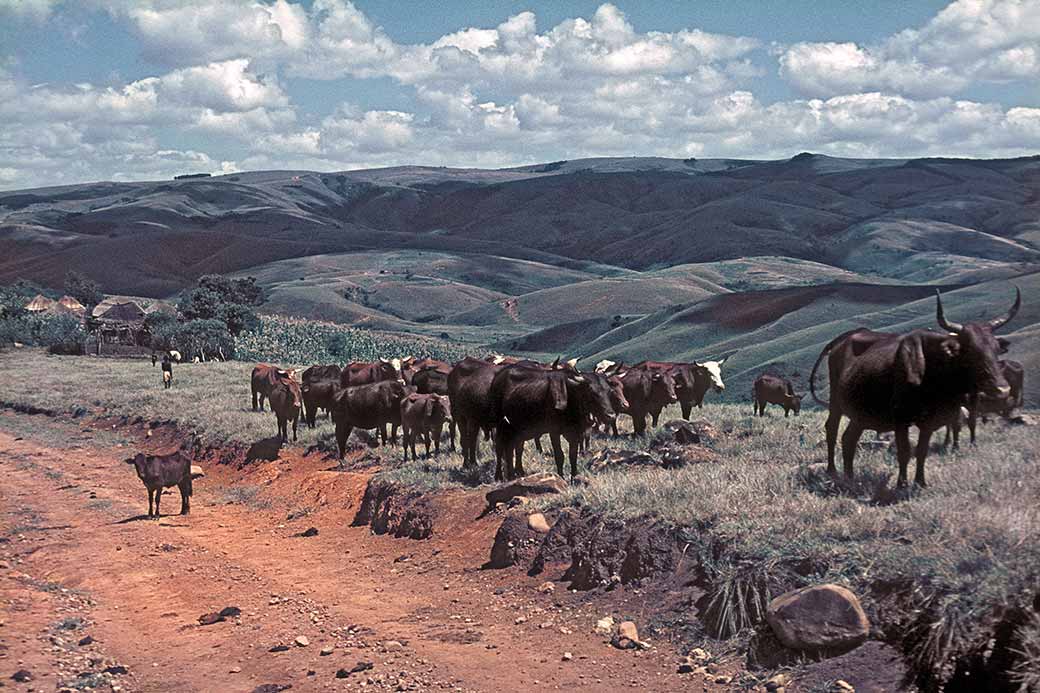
(997, 323)
(943, 322)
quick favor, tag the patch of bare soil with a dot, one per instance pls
(80, 563)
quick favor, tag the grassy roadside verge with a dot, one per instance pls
(945, 565)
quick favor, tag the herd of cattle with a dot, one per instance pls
(879, 381)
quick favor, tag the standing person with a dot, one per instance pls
(153, 359)
(167, 371)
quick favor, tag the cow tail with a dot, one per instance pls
(826, 350)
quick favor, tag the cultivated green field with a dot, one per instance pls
(937, 568)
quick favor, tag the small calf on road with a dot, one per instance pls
(163, 471)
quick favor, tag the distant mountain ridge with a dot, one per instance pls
(628, 257)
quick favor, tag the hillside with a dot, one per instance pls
(619, 257)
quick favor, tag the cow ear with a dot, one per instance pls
(951, 347)
(911, 358)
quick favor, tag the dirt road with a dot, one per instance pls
(80, 563)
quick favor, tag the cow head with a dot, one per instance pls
(662, 387)
(594, 393)
(140, 461)
(443, 405)
(714, 370)
(976, 348)
(795, 402)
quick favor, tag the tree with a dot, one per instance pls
(83, 289)
(62, 334)
(219, 298)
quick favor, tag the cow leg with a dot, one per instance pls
(654, 416)
(437, 432)
(393, 434)
(295, 420)
(426, 440)
(786, 412)
(687, 408)
(573, 443)
(849, 441)
(501, 450)
(150, 492)
(639, 424)
(185, 489)
(158, 495)
(538, 444)
(902, 453)
(973, 416)
(451, 434)
(342, 433)
(924, 437)
(558, 452)
(518, 461)
(831, 427)
(254, 399)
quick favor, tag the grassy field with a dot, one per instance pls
(956, 558)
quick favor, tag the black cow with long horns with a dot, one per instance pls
(888, 382)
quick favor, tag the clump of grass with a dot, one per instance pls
(737, 600)
(1026, 672)
(70, 623)
(245, 495)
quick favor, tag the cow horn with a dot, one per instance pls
(997, 323)
(555, 364)
(955, 327)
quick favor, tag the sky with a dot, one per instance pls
(147, 89)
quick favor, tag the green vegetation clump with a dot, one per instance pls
(287, 340)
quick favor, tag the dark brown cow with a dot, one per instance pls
(362, 373)
(647, 390)
(371, 406)
(889, 382)
(616, 391)
(264, 378)
(469, 387)
(528, 400)
(980, 405)
(425, 416)
(163, 471)
(431, 378)
(319, 388)
(286, 403)
(410, 367)
(770, 389)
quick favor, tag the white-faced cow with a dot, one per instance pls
(889, 382)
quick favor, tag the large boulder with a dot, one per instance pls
(516, 542)
(675, 455)
(533, 485)
(822, 618)
(681, 432)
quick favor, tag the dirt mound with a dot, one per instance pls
(515, 542)
(389, 509)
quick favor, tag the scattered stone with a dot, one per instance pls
(689, 665)
(22, 676)
(235, 670)
(210, 619)
(517, 500)
(538, 523)
(1023, 420)
(547, 588)
(117, 670)
(362, 666)
(327, 650)
(519, 619)
(699, 655)
(674, 455)
(302, 641)
(627, 629)
(605, 626)
(272, 687)
(279, 648)
(845, 686)
(567, 656)
(613, 457)
(777, 682)
(309, 532)
(819, 618)
(723, 680)
(533, 485)
(86, 641)
(392, 646)
(230, 612)
(196, 470)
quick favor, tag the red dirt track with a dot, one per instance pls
(74, 519)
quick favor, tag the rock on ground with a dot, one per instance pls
(820, 618)
(532, 485)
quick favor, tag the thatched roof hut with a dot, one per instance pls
(39, 304)
(69, 306)
(123, 312)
